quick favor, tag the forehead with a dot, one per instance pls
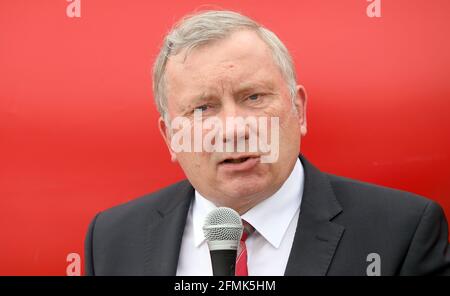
(241, 57)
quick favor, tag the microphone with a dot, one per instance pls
(223, 230)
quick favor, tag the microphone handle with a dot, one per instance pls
(223, 262)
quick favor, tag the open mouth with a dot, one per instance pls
(238, 160)
(239, 163)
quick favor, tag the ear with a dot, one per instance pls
(300, 103)
(165, 133)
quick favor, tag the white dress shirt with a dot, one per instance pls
(268, 248)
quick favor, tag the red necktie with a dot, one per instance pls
(241, 260)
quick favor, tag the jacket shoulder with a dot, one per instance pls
(371, 198)
(407, 230)
(139, 209)
(117, 238)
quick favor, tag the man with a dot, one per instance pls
(306, 222)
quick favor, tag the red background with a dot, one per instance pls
(78, 126)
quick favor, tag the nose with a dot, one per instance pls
(235, 131)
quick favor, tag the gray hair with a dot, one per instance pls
(205, 27)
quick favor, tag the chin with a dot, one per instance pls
(242, 189)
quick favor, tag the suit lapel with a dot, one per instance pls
(165, 233)
(316, 236)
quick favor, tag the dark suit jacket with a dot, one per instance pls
(341, 221)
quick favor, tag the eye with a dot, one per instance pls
(254, 97)
(201, 108)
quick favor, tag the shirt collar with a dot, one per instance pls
(283, 204)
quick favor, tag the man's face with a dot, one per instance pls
(234, 77)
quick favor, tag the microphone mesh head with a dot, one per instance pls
(223, 224)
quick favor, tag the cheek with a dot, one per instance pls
(194, 161)
(279, 106)
(289, 130)
(288, 117)
(187, 160)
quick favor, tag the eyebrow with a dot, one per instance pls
(242, 88)
(192, 101)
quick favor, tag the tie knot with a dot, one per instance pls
(248, 229)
